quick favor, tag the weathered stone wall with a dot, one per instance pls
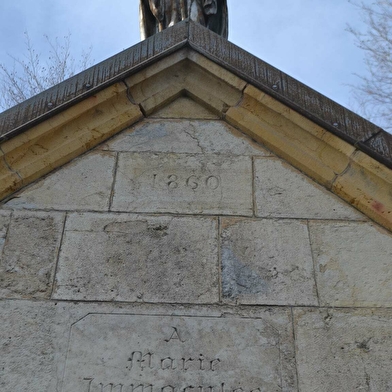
(180, 256)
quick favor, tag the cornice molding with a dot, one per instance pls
(352, 128)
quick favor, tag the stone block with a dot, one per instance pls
(113, 257)
(267, 262)
(9, 180)
(184, 136)
(4, 223)
(33, 336)
(343, 350)
(189, 184)
(282, 191)
(367, 184)
(35, 340)
(352, 263)
(168, 354)
(84, 184)
(29, 255)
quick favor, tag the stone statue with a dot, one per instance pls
(157, 15)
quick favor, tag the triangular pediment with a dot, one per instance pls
(186, 84)
(210, 163)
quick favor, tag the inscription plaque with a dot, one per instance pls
(133, 353)
(183, 183)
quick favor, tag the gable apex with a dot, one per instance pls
(188, 61)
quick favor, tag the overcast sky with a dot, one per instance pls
(305, 38)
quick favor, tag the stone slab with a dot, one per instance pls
(352, 263)
(188, 184)
(33, 342)
(84, 184)
(344, 350)
(34, 337)
(267, 262)
(112, 257)
(184, 136)
(29, 256)
(282, 191)
(169, 354)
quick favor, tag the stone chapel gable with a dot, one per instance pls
(183, 217)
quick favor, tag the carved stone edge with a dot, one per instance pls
(64, 136)
(311, 104)
(89, 82)
(323, 111)
(331, 161)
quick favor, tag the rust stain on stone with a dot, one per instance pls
(379, 207)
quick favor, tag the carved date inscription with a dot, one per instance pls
(182, 183)
(131, 353)
(194, 182)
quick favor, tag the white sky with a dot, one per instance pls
(304, 38)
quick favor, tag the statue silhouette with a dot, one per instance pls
(157, 15)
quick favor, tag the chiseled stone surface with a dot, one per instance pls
(343, 350)
(352, 263)
(267, 262)
(83, 184)
(173, 354)
(4, 223)
(34, 340)
(184, 136)
(183, 183)
(112, 257)
(282, 191)
(30, 253)
(33, 337)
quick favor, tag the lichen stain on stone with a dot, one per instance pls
(238, 278)
(158, 231)
(331, 265)
(156, 133)
(38, 149)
